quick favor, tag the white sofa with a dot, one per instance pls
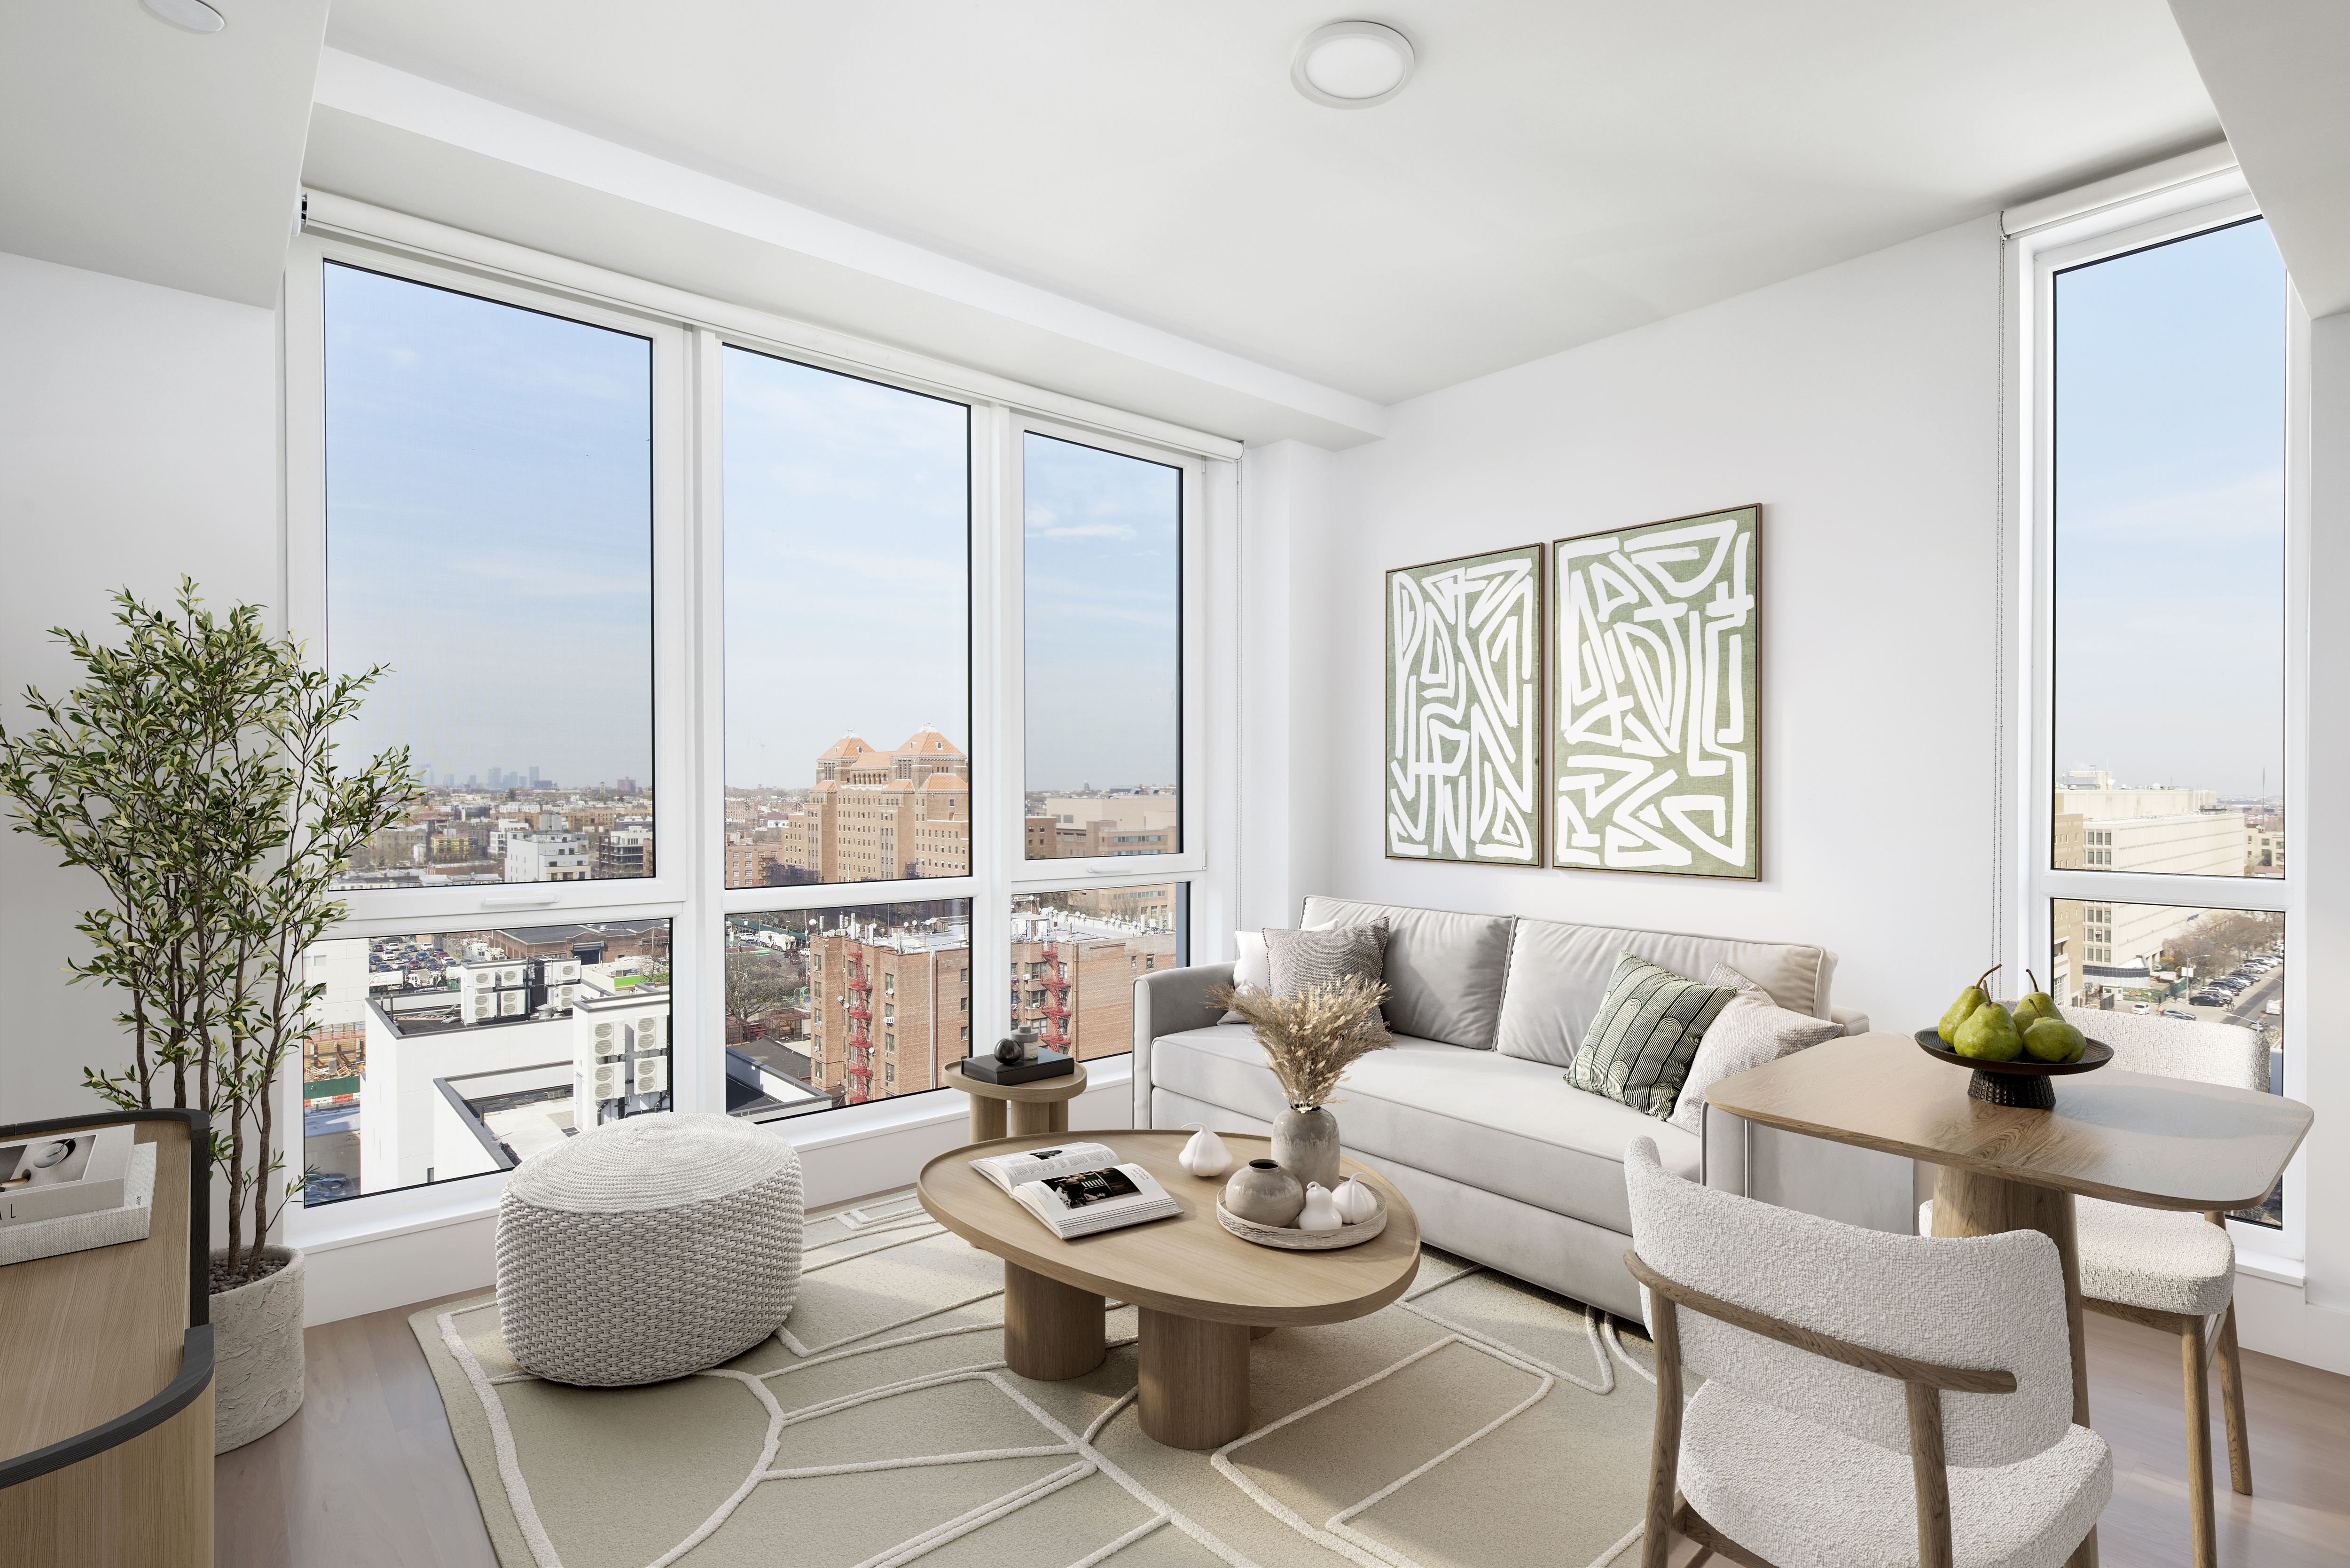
(1471, 1114)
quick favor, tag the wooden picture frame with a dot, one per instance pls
(1465, 714)
(1657, 733)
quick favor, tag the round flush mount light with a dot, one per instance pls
(192, 15)
(1351, 65)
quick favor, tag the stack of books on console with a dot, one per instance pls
(1078, 1189)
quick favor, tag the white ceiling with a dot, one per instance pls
(129, 146)
(2277, 71)
(1557, 170)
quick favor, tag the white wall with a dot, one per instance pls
(1860, 406)
(141, 442)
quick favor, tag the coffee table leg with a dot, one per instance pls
(1194, 1384)
(1051, 1331)
(1260, 1331)
(1968, 1204)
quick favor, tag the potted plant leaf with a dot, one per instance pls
(191, 771)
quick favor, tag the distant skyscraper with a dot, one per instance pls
(628, 785)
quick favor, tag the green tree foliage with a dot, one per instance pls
(191, 771)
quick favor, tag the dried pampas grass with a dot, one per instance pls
(1312, 1036)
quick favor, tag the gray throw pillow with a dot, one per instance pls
(1641, 1045)
(1753, 1030)
(1302, 959)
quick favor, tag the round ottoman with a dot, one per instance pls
(648, 1248)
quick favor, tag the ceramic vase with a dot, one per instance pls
(1205, 1155)
(1262, 1193)
(1305, 1144)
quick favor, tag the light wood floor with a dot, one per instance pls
(367, 1476)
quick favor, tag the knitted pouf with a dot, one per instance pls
(648, 1248)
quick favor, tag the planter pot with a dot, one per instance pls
(1305, 1144)
(1262, 1193)
(257, 1353)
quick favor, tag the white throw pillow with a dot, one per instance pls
(1251, 966)
(1745, 1034)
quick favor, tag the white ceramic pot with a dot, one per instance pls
(257, 1353)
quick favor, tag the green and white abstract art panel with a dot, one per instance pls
(1464, 709)
(1658, 645)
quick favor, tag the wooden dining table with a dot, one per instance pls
(2129, 1137)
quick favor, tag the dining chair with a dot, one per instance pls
(2172, 1271)
(1868, 1398)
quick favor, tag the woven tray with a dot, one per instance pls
(1291, 1241)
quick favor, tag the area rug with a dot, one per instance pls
(1480, 1422)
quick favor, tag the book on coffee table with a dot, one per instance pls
(1084, 1202)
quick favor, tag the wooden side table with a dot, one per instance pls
(1035, 1109)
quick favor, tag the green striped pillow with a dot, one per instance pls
(1639, 1047)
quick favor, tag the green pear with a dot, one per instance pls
(1969, 1002)
(2036, 1004)
(1990, 1035)
(2053, 1040)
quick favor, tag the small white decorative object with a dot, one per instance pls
(1205, 1155)
(1356, 1202)
(1321, 1210)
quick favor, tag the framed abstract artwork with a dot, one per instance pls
(1464, 724)
(1658, 645)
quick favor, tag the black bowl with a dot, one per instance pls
(2023, 1082)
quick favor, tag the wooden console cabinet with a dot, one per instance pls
(106, 1378)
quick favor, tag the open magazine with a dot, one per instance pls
(1078, 1190)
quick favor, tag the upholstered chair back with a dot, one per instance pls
(1982, 1302)
(2173, 1048)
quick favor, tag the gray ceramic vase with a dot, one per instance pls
(1262, 1193)
(1305, 1144)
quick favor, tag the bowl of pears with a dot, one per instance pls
(2013, 1052)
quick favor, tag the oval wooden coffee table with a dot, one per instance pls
(1200, 1291)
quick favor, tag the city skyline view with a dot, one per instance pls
(489, 478)
(2169, 588)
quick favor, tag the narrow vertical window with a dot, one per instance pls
(2170, 590)
(848, 628)
(489, 541)
(1102, 540)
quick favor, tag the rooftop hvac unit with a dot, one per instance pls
(608, 1040)
(647, 1031)
(482, 1006)
(565, 995)
(511, 977)
(563, 969)
(652, 1074)
(482, 978)
(510, 1002)
(608, 1081)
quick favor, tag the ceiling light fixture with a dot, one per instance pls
(1352, 65)
(192, 15)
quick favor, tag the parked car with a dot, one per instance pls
(2178, 1013)
(2275, 1009)
(2141, 1007)
(2208, 999)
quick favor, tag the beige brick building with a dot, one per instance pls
(881, 816)
(886, 1011)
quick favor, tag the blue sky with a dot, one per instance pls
(1103, 537)
(489, 531)
(2170, 380)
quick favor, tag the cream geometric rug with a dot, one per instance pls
(1478, 1423)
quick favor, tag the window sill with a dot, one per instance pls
(2269, 1266)
(835, 1129)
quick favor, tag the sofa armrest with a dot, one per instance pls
(1854, 1020)
(1169, 1003)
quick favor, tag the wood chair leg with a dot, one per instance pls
(1931, 1474)
(2232, 1401)
(1665, 1450)
(2199, 1445)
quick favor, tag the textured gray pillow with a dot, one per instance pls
(1251, 967)
(1301, 959)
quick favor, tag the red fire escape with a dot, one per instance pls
(860, 1040)
(1056, 999)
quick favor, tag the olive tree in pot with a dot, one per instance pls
(191, 770)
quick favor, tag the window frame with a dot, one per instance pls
(690, 332)
(2029, 883)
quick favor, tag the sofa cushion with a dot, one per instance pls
(1444, 970)
(1558, 972)
(1488, 1121)
(1639, 1047)
(1303, 960)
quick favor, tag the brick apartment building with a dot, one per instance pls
(886, 1012)
(872, 817)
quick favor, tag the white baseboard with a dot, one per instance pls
(420, 1257)
(2276, 1318)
